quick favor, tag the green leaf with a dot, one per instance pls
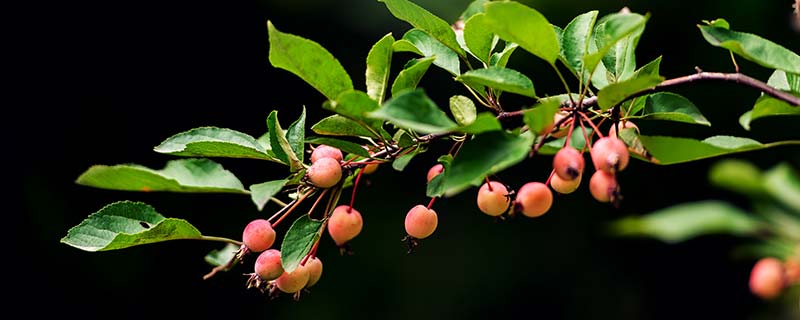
(738, 176)
(651, 68)
(578, 141)
(402, 45)
(403, 138)
(309, 61)
(720, 23)
(753, 48)
(298, 241)
(463, 109)
(620, 91)
(379, 61)
(783, 183)
(620, 60)
(685, 221)
(428, 22)
(413, 110)
(479, 39)
(125, 224)
(337, 125)
(262, 192)
(767, 106)
(486, 121)
(475, 7)
(499, 78)
(430, 47)
(184, 175)
(346, 146)
(410, 76)
(671, 150)
(222, 256)
(435, 187)
(541, 116)
(296, 135)
(214, 142)
(281, 146)
(575, 40)
(608, 33)
(520, 24)
(785, 81)
(500, 59)
(486, 154)
(401, 162)
(671, 107)
(355, 105)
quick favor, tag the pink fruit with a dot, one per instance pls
(344, 224)
(324, 173)
(568, 163)
(314, 267)
(435, 171)
(324, 151)
(268, 265)
(610, 154)
(603, 186)
(291, 282)
(622, 125)
(565, 186)
(258, 235)
(495, 201)
(534, 199)
(767, 278)
(421, 222)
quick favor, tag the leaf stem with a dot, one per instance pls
(564, 82)
(278, 201)
(219, 239)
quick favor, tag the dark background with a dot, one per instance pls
(102, 82)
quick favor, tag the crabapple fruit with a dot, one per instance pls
(767, 278)
(568, 163)
(325, 172)
(493, 198)
(421, 222)
(435, 171)
(533, 199)
(622, 125)
(314, 267)
(610, 154)
(324, 151)
(268, 265)
(258, 235)
(291, 282)
(344, 224)
(565, 186)
(603, 186)
(370, 168)
(562, 130)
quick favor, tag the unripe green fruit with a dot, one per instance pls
(568, 163)
(610, 154)
(565, 186)
(767, 278)
(534, 199)
(268, 265)
(324, 151)
(258, 235)
(314, 267)
(324, 173)
(344, 224)
(421, 222)
(435, 171)
(622, 125)
(603, 186)
(495, 201)
(291, 282)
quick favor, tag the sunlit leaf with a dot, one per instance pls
(184, 175)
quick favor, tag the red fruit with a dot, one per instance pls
(258, 235)
(314, 267)
(324, 151)
(421, 222)
(324, 173)
(603, 186)
(268, 265)
(370, 168)
(568, 163)
(344, 224)
(565, 186)
(495, 201)
(533, 199)
(622, 125)
(291, 282)
(563, 129)
(610, 154)
(767, 278)
(435, 171)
